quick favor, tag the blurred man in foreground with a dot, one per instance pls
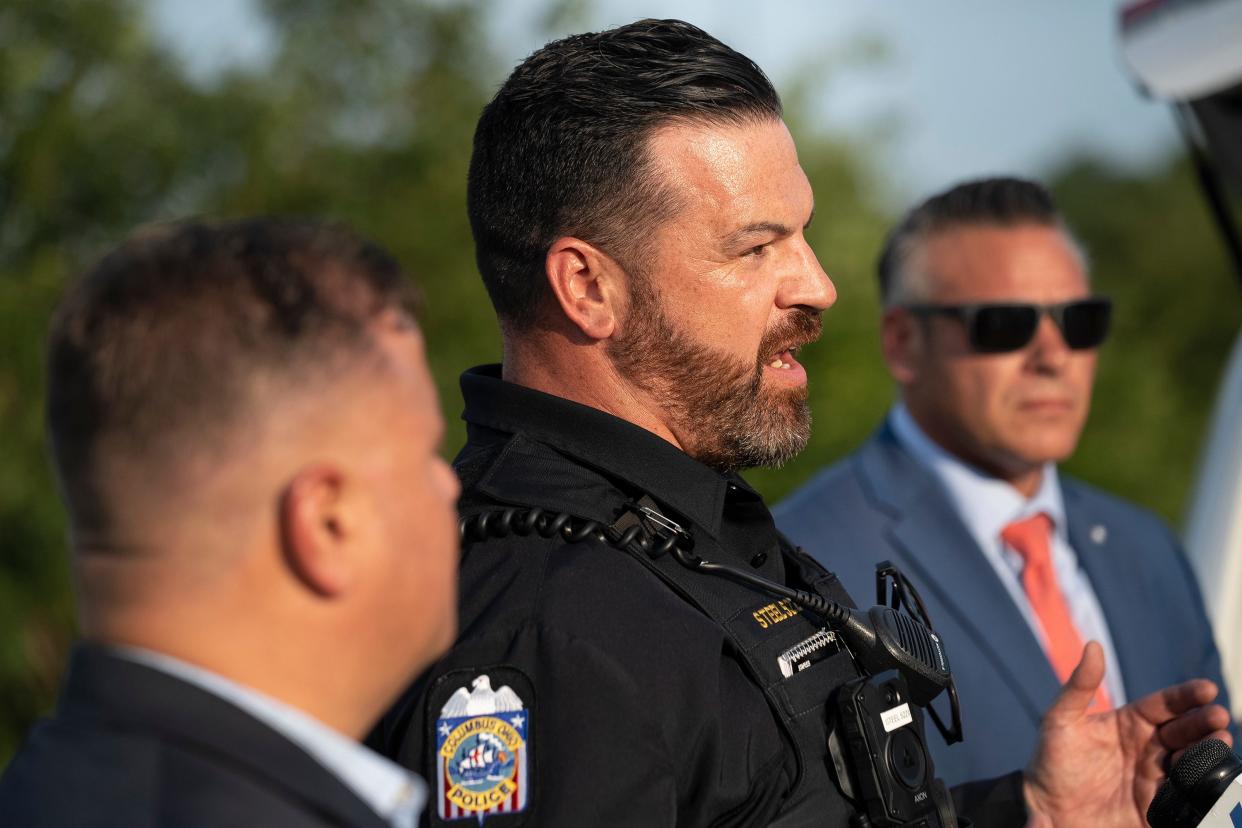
(245, 433)
(638, 212)
(991, 331)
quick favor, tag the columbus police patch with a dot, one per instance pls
(481, 752)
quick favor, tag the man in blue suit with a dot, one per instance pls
(991, 332)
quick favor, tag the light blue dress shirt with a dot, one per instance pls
(987, 505)
(390, 790)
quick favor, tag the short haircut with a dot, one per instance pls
(161, 343)
(562, 148)
(1002, 202)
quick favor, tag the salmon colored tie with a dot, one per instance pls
(1030, 539)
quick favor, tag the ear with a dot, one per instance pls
(902, 338)
(588, 285)
(317, 530)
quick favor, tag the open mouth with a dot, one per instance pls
(786, 359)
(784, 368)
(783, 343)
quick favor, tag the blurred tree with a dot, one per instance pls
(87, 149)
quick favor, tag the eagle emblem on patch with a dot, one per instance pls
(481, 752)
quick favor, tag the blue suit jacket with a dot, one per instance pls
(880, 503)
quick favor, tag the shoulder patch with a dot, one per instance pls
(482, 747)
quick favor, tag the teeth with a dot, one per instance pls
(776, 363)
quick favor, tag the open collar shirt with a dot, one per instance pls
(986, 506)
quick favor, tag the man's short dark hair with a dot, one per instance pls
(561, 149)
(162, 342)
(1004, 202)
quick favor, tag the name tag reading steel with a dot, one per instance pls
(899, 716)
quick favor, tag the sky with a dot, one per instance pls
(963, 88)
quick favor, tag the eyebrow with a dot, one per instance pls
(775, 228)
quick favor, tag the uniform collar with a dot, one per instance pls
(605, 442)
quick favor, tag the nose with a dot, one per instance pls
(806, 284)
(1048, 349)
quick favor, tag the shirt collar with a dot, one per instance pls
(603, 441)
(986, 504)
(391, 791)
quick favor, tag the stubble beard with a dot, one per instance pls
(714, 402)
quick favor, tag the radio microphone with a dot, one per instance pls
(1204, 790)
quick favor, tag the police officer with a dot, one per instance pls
(639, 211)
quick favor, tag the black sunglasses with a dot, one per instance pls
(995, 328)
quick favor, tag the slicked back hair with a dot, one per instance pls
(562, 148)
(1000, 202)
(160, 345)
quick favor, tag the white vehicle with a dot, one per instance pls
(1189, 52)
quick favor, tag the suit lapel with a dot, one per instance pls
(134, 696)
(926, 528)
(1096, 545)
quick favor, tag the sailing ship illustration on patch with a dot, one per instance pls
(481, 752)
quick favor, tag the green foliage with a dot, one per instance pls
(365, 114)
(81, 157)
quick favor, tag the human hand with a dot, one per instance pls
(1102, 769)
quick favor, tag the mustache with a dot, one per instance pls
(799, 328)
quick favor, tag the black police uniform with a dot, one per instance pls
(611, 688)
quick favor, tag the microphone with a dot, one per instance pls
(880, 638)
(1204, 790)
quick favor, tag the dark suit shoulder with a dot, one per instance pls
(81, 774)
(134, 746)
(96, 776)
